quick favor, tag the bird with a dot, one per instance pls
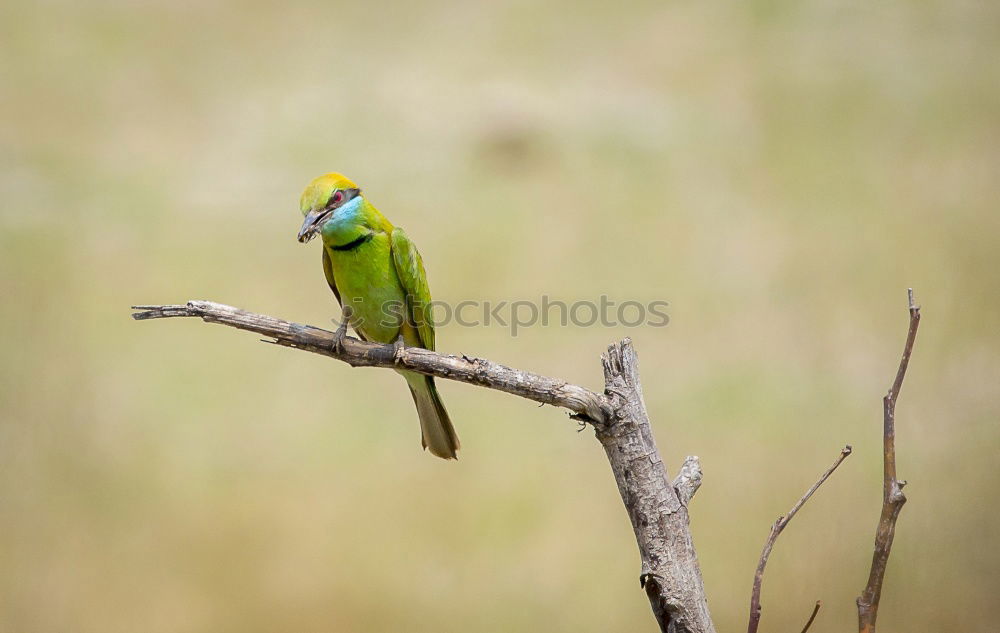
(378, 278)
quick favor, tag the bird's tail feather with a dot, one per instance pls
(436, 431)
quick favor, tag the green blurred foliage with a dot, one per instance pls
(779, 171)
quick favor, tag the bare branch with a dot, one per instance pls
(688, 479)
(583, 402)
(776, 529)
(657, 510)
(809, 622)
(892, 488)
(670, 573)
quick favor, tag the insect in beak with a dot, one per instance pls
(313, 223)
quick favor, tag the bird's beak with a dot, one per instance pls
(313, 222)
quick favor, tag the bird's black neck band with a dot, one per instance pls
(353, 244)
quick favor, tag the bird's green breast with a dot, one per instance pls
(367, 281)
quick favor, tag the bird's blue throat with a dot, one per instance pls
(346, 230)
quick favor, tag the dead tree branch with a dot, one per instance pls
(670, 572)
(358, 353)
(657, 507)
(776, 529)
(892, 488)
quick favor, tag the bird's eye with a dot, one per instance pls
(338, 197)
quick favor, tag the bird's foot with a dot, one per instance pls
(397, 349)
(337, 344)
(338, 337)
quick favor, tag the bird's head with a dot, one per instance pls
(321, 198)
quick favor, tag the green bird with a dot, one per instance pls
(378, 278)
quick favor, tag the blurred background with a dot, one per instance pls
(778, 171)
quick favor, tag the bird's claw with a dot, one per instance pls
(338, 337)
(397, 349)
(337, 345)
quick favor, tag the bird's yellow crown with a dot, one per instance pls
(318, 192)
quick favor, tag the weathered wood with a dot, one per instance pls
(657, 508)
(688, 479)
(670, 572)
(356, 353)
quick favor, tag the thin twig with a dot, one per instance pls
(809, 622)
(892, 488)
(776, 529)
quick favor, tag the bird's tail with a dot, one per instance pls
(436, 431)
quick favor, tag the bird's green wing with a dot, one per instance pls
(328, 271)
(410, 270)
